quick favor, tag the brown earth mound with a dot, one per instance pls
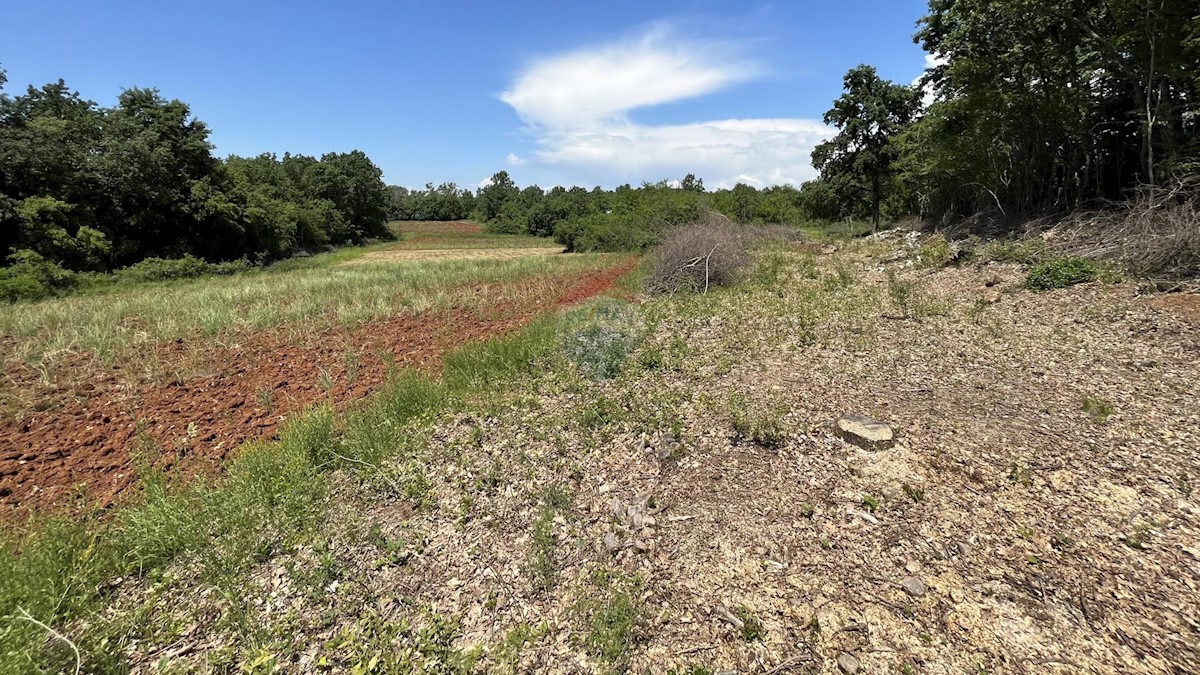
(84, 450)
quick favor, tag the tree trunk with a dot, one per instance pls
(875, 188)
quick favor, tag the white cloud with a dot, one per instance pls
(931, 61)
(515, 159)
(575, 106)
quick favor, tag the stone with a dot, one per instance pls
(611, 542)
(847, 663)
(913, 586)
(865, 432)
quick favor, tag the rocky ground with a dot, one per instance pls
(674, 495)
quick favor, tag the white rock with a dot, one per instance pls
(868, 433)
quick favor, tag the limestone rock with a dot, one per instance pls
(913, 586)
(870, 434)
(847, 663)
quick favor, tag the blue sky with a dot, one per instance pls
(553, 92)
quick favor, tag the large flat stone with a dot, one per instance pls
(865, 432)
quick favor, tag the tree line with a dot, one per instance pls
(623, 218)
(85, 188)
(1038, 106)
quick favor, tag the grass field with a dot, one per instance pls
(656, 486)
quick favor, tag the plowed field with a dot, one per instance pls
(82, 441)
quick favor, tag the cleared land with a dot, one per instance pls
(177, 376)
(657, 487)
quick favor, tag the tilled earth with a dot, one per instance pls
(80, 445)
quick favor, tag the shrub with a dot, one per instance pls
(1061, 272)
(935, 252)
(33, 277)
(187, 267)
(604, 232)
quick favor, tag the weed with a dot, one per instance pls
(915, 494)
(759, 424)
(1061, 273)
(266, 400)
(841, 279)
(1023, 252)
(1020, 475)
(611, 616)
(807, 510)
(935, 252)
(600, 348)
(908, 297)
(351, 362)
(1099, 409)
(600, 412)
(752, 629)
(870, 503)
(691, 669)
(542, 565)
(325, 379)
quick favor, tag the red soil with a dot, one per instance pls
(86, 447)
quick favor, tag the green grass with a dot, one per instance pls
(611, 617)
(311, 297)
(420, 235)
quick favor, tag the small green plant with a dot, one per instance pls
(759, 424)
(1020, 475)
(600, 412)
(870, 503)
(691, 669)
(935, 252)
(807, 510)
(1099, 409)
(752, 628)
(325, 379)
(1061, 273)
(915, 494)
(266, 400)
(542, 567)
(1024, 252)
(612, 616)
(842, 278)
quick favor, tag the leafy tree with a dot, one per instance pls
(499, 191)
(870, 113)
(1051, 104)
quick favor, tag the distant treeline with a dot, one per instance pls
(85, 188)
(626, 218)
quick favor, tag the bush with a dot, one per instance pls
(604, 232)
(1061, 272)
(601, 347)
(187, 267)
(33, 277)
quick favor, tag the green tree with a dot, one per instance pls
(870, 113)
(499, 190)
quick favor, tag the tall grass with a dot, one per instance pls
(214, 306)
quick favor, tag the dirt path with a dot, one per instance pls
(85, 452)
